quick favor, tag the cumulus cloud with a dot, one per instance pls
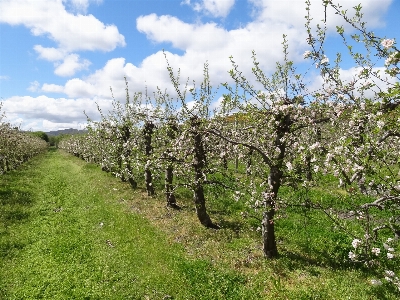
(264, 35)
(200, 43)
(194, 39)
(51, 19)
(52, 88)
(293, 12)
(71, 64)
(216, 8)
(49, 53)
(151, 73)
(210, 42)
(47, 110)
(182, 35)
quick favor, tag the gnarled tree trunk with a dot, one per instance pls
(199, 165)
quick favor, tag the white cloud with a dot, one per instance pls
(76, 87)
(44, 111)
(71, 64)
(293, 12)
(203, 42)
(50, 54)
(182, 35)
(199, 43)
(52, 88)
(51, 19)
(195, 39)
(262, 35)
(4, 77)
(34, 86)
(216, 8)
(151, 73)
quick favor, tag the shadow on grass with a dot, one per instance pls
(15, 197)
(14, 209)
(14, 206)
(236, 227)
(294, 261)
(9, 248)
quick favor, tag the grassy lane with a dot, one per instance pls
(70, 231)
(64, 234)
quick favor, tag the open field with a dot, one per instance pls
(70, 231)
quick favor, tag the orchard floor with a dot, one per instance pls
(70, 231)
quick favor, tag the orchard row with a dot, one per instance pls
(280, 129)
(17, 147)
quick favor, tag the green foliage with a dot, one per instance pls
(40, 134)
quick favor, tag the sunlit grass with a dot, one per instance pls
(70, 231)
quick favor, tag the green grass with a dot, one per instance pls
(66, 234)
(70, 231)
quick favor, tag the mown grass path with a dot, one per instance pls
(70, 231)
(65, 235)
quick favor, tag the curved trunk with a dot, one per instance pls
(201, 211)
(199, 165)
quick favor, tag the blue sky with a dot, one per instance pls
(59, 57)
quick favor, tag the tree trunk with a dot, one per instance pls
(267, 224)
(169, 176)
(172, 129)
(268, 234)
(149, 183)
(274, 182)
(148, 132)
(201, 211)
(199, 165)
(133, 183)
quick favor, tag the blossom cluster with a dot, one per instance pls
(17, 147)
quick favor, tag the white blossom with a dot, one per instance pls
(389, 273)
(376, 251)
(387, 43)
(325, 60)
(376, 282)
(307, 54)
(356, 243)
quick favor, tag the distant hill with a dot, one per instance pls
(66, 131)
